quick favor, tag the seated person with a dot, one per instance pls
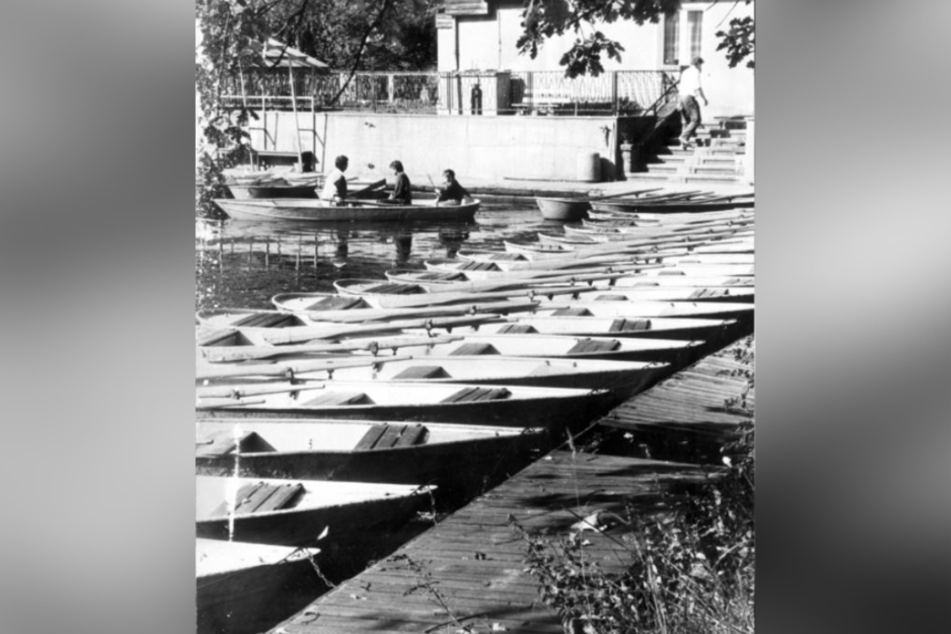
(451, 191)
(401, 193)
(335, 187)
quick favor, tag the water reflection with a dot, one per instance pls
(244, 263)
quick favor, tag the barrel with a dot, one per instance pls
(589, 167)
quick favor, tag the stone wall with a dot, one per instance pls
(476, 147)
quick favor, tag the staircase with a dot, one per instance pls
(716, 156)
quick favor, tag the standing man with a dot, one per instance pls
(690, 89)
(335, 187)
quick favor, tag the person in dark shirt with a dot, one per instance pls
(451, 191)
(401, 194)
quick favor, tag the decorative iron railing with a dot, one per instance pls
(473, 92)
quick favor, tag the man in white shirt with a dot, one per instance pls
(690, 89)
(335, 187)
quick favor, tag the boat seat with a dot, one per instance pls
(441, 276)
(709, 292)
(624, 325)
(222, 443)
(507, 256)
(571, 312)
(225, 337)
(333, 399)
(393, 289)
(385, 436)
(268, 320)
(610, 298)
(477, 266)
(259, 497)
(470, 394)
(423, 372)
(516, 329)
(591, 345)
(470, 349)
(338, 302)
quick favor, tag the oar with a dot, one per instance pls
(369, 188)
(381, 314)
(289, 369)
(240, 391)
(307, 333)
(432, 299)
(229, 354)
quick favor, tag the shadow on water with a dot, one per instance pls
(245, 263)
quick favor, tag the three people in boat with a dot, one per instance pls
(401, 194)
(451, 192)
(335, 186)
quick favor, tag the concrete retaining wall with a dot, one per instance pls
(484, 147)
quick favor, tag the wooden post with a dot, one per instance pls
(267, 253)
(316, 242)
(221, 255)
(290, 74)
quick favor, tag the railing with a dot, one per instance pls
(518, 92)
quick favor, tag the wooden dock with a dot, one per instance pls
(468, 570)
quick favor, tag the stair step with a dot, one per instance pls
(664, 169)
(651, 176)
(713, 170)
(710, 178)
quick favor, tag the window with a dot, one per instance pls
(694, 26)
(671, 40)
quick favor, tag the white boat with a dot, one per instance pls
(451, 456)
(296, 512)
(508, 406)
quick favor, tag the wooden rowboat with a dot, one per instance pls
(623, 378)
(316, 210)
(722, 203)
(507, 406)
(563, 209)
(450, 456)
(242, 582)
(709, 330)
(296, 512)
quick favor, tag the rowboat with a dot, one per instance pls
(703, 310)
(709, 330)
(447, 455)
(655, 237)
(296, 512)
(241, 582)
(721, 203)
(434, 280)
(507, 406)
(317, 210)
(564, 209)
(624, 218)
(623, 378)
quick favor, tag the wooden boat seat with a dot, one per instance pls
(268, 320)
(222, 443)
(590, 345)
(393, 289)
(469, 349)
(423, 372)
(338, 302)
(259, 497)
(624, 325)
(478, 266)
(226, 337)
(571, 312)
(441, 276)
(470, 394)
(709, 292)
(332, 399)
(385, 436)
(517, 329)
(610, 298)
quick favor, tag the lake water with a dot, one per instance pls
(244, 263)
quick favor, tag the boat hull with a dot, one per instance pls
(671, 207)
(255, 192)
(316, 210)
(563, 209)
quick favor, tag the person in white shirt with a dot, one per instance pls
(690, 89)
(335, 186)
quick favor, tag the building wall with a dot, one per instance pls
(488, 42)
(478, 147)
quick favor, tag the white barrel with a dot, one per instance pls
(589, 167)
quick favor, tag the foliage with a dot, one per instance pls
(739, 41)
(689, 570)
(542, 19)
(744, 352)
